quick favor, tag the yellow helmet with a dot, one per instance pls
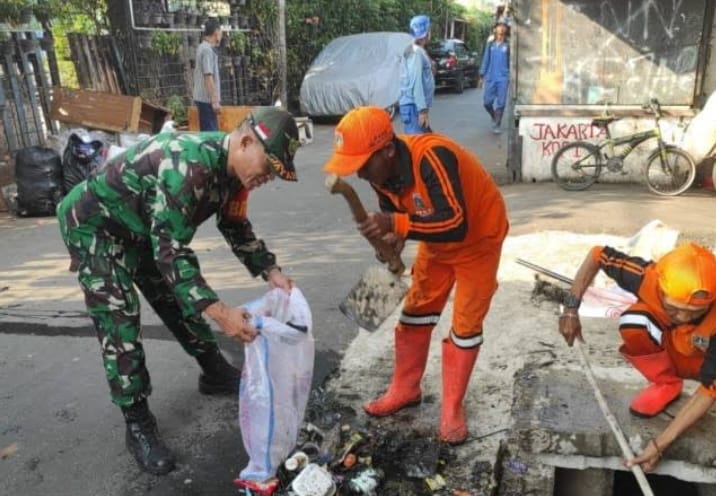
(687, 274)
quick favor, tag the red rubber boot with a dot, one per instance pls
(457, 368)
(665, 388)
(411, 354)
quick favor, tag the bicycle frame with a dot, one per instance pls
(629, 142)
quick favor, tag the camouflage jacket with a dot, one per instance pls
(160, 191)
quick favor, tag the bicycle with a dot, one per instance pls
(669, 170)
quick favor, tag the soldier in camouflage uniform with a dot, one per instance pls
(131, 224)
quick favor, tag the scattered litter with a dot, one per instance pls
(517, 467)
(436, 483)
(187, 481)
(365, 482)
(314, 480)
(8, 451)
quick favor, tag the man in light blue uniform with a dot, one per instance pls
(417, 83)
(495, 70)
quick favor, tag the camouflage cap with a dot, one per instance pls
(278, 132)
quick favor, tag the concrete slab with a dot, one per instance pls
(558, 422)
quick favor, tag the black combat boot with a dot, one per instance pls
(218, 376)
(143, 440)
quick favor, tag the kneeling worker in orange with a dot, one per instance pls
(432, 190)
(667, 333)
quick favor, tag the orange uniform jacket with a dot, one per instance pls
(689, 345)
(446, 198)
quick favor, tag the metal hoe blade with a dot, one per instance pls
(373, 298)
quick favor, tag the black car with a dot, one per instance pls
(455, 65)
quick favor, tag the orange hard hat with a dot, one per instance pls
(687, 274)
(360, 133)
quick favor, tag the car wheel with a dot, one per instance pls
(459, 82)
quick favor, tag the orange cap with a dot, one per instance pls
(687, 274)
(360, 132)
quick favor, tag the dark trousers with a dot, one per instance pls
(207, 117)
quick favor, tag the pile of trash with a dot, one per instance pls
(345, 461)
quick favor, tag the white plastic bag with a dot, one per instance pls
(275, 380)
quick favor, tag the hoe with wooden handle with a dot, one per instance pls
(378, 291)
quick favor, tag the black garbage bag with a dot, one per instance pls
(81, 157)
(38, 174)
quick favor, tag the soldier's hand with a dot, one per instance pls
(234, 322)
(277, 279)
(570, 327)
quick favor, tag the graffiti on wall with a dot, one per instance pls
(548, 137)
(542, 137)
(621, 51)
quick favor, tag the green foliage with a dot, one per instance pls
(237, 42)
(178, 110)
(76, 16)
(165, 43)
(11, 11)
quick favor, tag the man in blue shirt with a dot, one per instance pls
(417, 83)
(495, 71)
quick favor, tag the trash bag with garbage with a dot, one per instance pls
(38, 173)
(275, 381)
(83, 155)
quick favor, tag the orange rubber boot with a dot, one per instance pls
(411, 354)
(457, 368)
(665, 388)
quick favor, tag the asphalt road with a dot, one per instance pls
(54, 405)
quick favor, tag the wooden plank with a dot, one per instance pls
(100, 80)
(229, 118)
(89, 60)
(104, 43)
(118, 67)
(31, 90)
(43, 84)
(95, 109)
(152, 118)
(7, 122)
(17, 99)
(78, 59)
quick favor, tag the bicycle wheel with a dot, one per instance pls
(670, 173)
(576, 166)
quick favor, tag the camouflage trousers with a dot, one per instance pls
(108, 270)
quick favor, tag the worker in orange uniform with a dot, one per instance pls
(666, 333)
(432, 190)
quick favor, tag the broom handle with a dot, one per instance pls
(608, 415)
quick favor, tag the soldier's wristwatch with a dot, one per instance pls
(571, 301)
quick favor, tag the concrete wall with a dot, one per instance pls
(624, 51)
(543, 136)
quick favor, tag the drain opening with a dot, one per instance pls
(598, 482)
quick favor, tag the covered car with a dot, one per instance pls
(355, 70)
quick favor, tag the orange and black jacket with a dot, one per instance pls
(639, 277)
(443, 196)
